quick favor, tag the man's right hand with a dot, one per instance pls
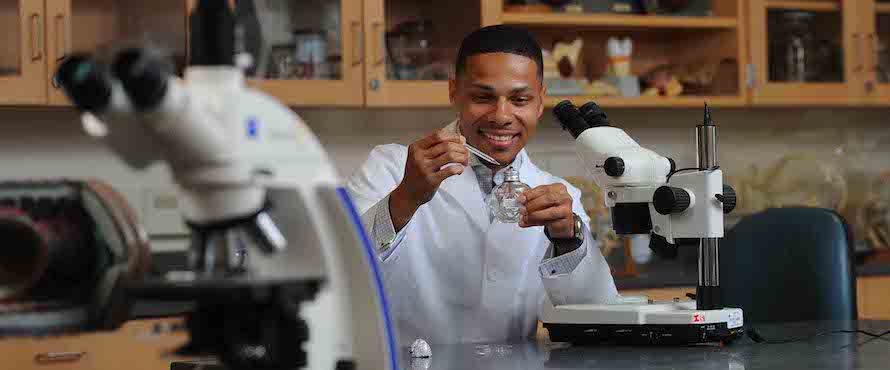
(424, 173)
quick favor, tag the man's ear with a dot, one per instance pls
(452, 89)
(543, 98)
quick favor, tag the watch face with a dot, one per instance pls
(579, 228)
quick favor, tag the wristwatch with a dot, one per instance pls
(565, 245)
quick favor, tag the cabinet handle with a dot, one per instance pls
(57, 357)
(63, 43)
(874, 52)
(358, 44)
(857, 40)
(379, 35)
(36, 42)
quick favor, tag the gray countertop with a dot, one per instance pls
(829, 351)
(832, 351)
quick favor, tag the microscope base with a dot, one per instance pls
(656, 323)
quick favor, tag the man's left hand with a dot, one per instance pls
(549, 206)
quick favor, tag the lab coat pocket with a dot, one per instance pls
(508, 251)
(453, 259)
(508, 247)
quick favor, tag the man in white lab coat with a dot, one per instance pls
(452, 273)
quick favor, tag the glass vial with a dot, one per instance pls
(504, 199)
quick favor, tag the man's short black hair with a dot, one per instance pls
(499, 39)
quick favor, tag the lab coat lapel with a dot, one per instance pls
(464, 191)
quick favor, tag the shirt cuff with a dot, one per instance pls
(385, 236)
(566, 263)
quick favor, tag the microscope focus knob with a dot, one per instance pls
(668, 200)
(728, 198)
(614, 166)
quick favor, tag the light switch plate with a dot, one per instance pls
(161, 213)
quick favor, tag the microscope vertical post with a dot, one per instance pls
(708, 289)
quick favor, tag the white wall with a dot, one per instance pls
(42, 143)
(745, 136)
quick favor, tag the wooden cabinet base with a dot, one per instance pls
(138, 345)
(873, 297)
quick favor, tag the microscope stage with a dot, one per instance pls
(636, 320)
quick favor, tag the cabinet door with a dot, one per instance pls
(806, 52)
(304, 53)
(873, 301)
(412, 45)
(138, 345)
(876, 27)
(23, 55)
(90, 25)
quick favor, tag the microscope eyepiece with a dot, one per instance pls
(86, 82)
(143, 75)
(594, 115)
(570, 118)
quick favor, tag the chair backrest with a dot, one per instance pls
(789, 264)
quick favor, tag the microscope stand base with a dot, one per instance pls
(650, 323)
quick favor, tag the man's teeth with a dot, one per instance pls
(498, 138)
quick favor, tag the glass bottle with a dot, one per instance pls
(504, 199)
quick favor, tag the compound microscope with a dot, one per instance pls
(282, 273)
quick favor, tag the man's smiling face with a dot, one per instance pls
(499, 97)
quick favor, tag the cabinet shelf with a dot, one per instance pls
(619, 20)
(882, 8)
(816, 6)
(652, 101)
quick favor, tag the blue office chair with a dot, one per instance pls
(789, 264)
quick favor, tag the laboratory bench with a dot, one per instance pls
(813, 351)
(661, 280)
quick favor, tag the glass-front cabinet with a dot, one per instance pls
(876, 20)
(307, 52)
(22, 57)
(89, 26)
(411, 47)
(807, 52)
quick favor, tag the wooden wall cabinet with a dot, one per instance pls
(835, 63)
(399, 53)
(23, 56)
(307, 29)
(391, 83)
(366, 44)
(86, 26)
(875, 23)
(682, 42)
(37, 34)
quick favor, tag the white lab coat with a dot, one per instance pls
(456, 276)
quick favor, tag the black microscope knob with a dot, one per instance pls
(668, 200)
(614, 166)
(660, 246)
(728, 198)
